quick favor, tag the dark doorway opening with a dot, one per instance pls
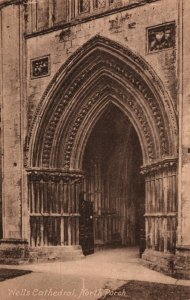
(113, 183)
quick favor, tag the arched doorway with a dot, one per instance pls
(113, 182)
(99, 76)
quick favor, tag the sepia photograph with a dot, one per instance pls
(95, 149)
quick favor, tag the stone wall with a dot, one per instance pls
(184, 147)
(182, 258)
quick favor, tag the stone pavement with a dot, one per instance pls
(86, 279)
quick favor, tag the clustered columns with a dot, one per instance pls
(161, 205)
(54, 207)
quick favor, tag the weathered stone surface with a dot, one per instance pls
(182, 262)
(13, 251)
(55, 253)
(16, 251)
(158, 261)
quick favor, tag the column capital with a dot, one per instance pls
(55, 175)
(169, 163)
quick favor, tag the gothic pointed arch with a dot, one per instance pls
(100, 72)
(100, 75)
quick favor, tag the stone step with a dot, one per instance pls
(55, 259)
(55, 253)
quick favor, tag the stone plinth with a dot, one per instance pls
(16, 252)
(182, 262)
(55, 253)
(159, 261)
(13, 251)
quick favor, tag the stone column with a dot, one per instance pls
(160, 213)
(54, 213)
(12, 137)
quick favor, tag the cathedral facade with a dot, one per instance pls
(95, 130)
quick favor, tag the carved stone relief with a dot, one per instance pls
(54, 176)
(40, 67)
(161, 37)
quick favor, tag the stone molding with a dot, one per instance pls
(161, 214)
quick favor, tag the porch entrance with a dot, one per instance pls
(113, 184)
(104, 115)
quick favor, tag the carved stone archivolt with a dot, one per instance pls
(128, 101)
(73, 94)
